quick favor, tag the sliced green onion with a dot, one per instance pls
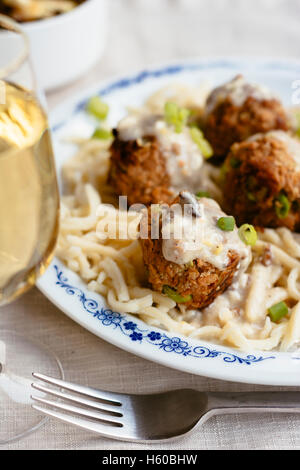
(203, 144)
(102, 134)
(235, 163)
(203, 194)
(97, 108)
(206, 149)
(173, 294)
(171, 110)
(223, 172)
(278, 311)
(176, 116)
(248, 234)
(251, 197)
(226, 224)
(183, 114)
(297, 116)
(282, 206)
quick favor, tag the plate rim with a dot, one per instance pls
(66, 109)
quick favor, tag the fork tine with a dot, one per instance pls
(112, 398)
(79, 411)
(101, 429)
(76, 399)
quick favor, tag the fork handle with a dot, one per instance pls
(245, 402)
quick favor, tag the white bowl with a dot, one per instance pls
(64, 47)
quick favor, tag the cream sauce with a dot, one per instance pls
(186, 238)
(238, 90)
(183, 157)
(230, 303)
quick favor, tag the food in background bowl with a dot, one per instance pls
(32, 10)
(65, 46)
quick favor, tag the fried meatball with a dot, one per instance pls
(238, 110)
(138, 171)
(202, 263)
(150, 162)
(262, 181)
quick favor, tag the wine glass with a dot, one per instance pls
(29, 214)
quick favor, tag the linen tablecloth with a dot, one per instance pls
(143, 32)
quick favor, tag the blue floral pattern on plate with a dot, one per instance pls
(166, 343)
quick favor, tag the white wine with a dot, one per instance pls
(29, 201)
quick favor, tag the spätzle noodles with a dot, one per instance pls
(111, 262)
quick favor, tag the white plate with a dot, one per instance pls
(69, 293)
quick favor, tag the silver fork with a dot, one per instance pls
(157, 417)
